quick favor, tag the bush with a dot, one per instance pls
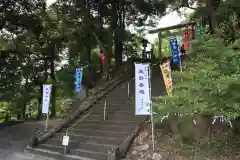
(210, 84)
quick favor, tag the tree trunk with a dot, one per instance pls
(107, 58)
(211, 16)
(53, 79)
(89, 68)
(100, 37)
(40, 102)
(118, 53)
(40, 83)
(7, 117)
(117, 16)
(108, 55)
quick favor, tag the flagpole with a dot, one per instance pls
(46, 125)
(180, 65)
(151, 108)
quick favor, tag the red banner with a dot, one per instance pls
(102, 57)
(186, 39)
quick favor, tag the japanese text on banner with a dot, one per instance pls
(175, 51)
(198, 29)
(186, 39)
(47, 88)
(166, 72)
(79, 74)
(142, 96)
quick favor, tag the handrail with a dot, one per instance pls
(65, 148)
(78, 122)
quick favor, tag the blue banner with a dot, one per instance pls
(175, 51)
(79, 74)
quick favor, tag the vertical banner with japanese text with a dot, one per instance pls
(47, 89)
(166, 72)
(142, 95)
(79, 74)
(198, 29)
(175, 51)
(186, 39)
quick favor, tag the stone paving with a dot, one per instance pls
(14, 139)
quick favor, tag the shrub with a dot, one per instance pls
(211, 82)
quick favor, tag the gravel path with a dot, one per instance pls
(14, 139)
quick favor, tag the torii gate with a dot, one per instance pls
(160, 35)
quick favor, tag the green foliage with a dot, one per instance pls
(210, 82)
(36, 40)
(166, 50)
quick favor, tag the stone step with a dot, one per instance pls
(90, 154)
(116, 102)
(116, 109)
(114, 118)
(102, 127)
(93, 147)
(115, 105)
(79, 131)
(91, 133)
(86, 139)
(111, 110)
(91, 138)
(82, 153)
(111, 115)
(122, 97)
(107, 123)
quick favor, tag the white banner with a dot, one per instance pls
(47, 88)
(142, 96)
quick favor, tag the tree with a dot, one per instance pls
(35, 40)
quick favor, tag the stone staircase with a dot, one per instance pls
(98, 139)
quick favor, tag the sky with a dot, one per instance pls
(49, 2)
(171, 19)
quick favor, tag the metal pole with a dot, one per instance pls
(151, 108)
(65, 147)
(104, 110)
(46, 124)
(180, 64)
(128, 89)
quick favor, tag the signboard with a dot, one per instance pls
(47, 88)
(186, 39)
(79, 74)
(142, 90)
(65, 140)
(198, 29)
(166, 72)
(175, 51)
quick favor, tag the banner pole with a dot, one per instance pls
(46, 125)
(128, 87)
(180, 65)
(104, 110)
(151, 108)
